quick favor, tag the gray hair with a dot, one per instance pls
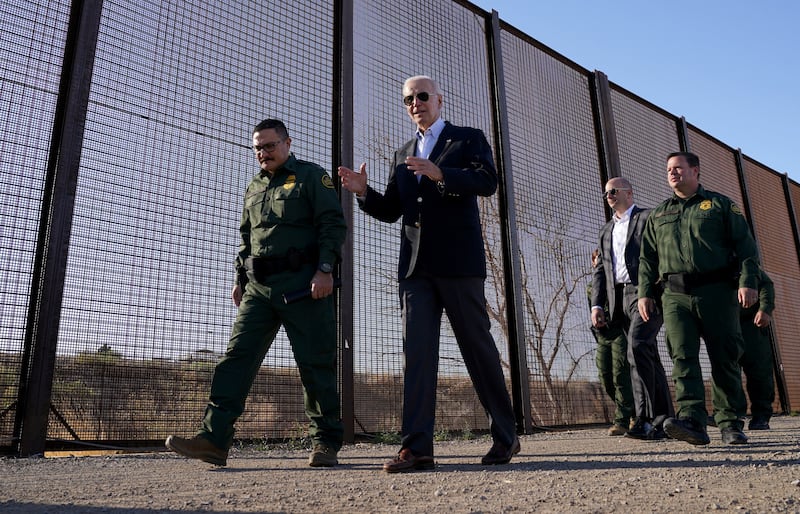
(436, 89)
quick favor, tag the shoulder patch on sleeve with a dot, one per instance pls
(736, 210)
(326, 181)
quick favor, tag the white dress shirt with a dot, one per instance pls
(619, 238)
(427, 140)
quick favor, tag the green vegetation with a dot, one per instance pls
(386, 438)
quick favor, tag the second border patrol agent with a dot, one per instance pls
(697, 243)
(757, 360)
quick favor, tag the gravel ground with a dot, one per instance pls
(569, 471)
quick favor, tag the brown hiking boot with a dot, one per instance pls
(323, 456)
(198, 448)
(616, 430)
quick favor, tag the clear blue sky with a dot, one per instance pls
(731, 68)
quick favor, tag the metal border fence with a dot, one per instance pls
(125, 155)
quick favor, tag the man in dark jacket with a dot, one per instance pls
(433, 186)
(614, 281)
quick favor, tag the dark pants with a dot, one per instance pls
(757, 365)
(614, 370)
(311, 328)
(423, 300)
(651, 397)
(710, 312)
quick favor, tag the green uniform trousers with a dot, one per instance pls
(614, 370)
(711, 312)
(757, 365)
(311, 328)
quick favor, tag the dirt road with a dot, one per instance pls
(573, 471)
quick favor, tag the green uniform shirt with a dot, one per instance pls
(696, 235)
(296, 207)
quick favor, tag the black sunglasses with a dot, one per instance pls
(614, 191)
(422, 96)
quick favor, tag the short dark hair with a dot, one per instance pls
(278, 125)
(691, 159)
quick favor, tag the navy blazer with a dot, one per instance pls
(603, 277)
(441, 227)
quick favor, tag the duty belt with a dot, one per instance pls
(687, 282)
(294, 260)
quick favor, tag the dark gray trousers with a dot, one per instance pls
(423, 300)
(651, 397)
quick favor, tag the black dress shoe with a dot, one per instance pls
(640, 429)
(686, 429)
(758, 423)
(500, 453)
(657, 434)
(407, 461)
(644, 430)
(731, 435)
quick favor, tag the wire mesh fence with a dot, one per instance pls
(145, 272)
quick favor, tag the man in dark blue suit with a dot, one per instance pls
(433, 186)
(615, 280)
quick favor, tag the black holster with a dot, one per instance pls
(241, 278)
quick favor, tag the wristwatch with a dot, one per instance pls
(326, 267)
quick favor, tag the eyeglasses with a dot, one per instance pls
(422, 96)
(614, 191)
(267, 147)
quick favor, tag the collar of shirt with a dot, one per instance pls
(700, 193)
(626, 216)
(427, 140)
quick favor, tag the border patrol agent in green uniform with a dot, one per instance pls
(613, 368)
(292, 231)
(696, 243)
(757, 359)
